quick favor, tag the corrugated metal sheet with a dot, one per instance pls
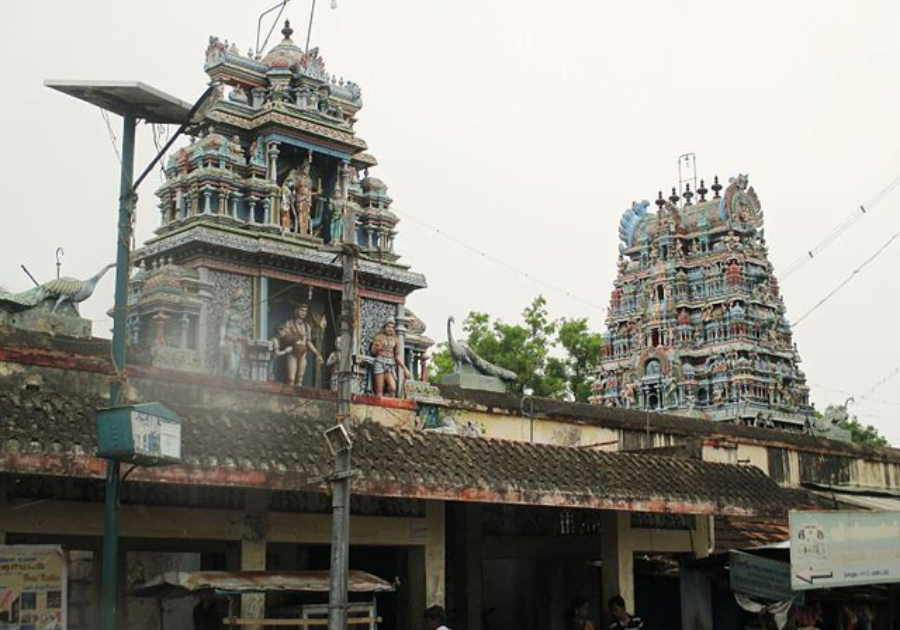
(877, 503)
(181, 583)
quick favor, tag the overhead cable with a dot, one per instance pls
(847, 280)
(832, 236)
(501, 263)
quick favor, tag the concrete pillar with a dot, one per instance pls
(400, 328)
(617, 568)
(203, 320)
(435, 585)
(703, 535)
(473, 517)
(4, 505)
(253, 550)
(253, 558)
(235, 201)
(696, 600)
(414, 588)
(262, 331)
(695, 589)
(274, 151)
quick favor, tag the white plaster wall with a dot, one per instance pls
(721, 453)
(753, 455)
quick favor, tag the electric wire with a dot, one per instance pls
(112, 134)
(866, 397)
(835, 233)
(160, 138)
(884, 380)
(499, 262)
(847, 280)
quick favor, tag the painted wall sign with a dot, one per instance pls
(844, 548)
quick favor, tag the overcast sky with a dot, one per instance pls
(520, 129)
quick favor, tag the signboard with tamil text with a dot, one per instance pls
(760, 577)
(844, 548)
(32, 587)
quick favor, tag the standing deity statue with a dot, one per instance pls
(288, 194)
(386, 349)
(337, 215)
(232, 342)
(628, 397)
(304, 199)
(293, 340)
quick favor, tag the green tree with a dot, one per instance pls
(859, 433)
(527, 350)
(863, 434)
(583, 355)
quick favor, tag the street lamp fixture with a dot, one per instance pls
(338, 439)
(132, 100)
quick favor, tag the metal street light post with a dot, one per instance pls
(132, 100)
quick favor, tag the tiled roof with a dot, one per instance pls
(51, 433)
(742, 532)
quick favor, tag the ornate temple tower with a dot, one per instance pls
(695, 322)
(252, 215)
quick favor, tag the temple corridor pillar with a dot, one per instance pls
(617, 568)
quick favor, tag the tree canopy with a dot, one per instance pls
(859, 433)
(554, 358)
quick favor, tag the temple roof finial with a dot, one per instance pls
(660, 202)
(702, 191)
(674, 196)
(287, 31)
(716, 187)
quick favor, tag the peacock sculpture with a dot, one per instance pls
(62, 290)
(463, 354)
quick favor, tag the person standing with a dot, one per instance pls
(435, 618)
(577, 615)
(623, 620)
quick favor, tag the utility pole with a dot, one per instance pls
(109, 587)
(340, 478)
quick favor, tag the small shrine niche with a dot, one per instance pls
(167, 302)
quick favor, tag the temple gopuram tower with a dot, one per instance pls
(696, 324)
(243, 276)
